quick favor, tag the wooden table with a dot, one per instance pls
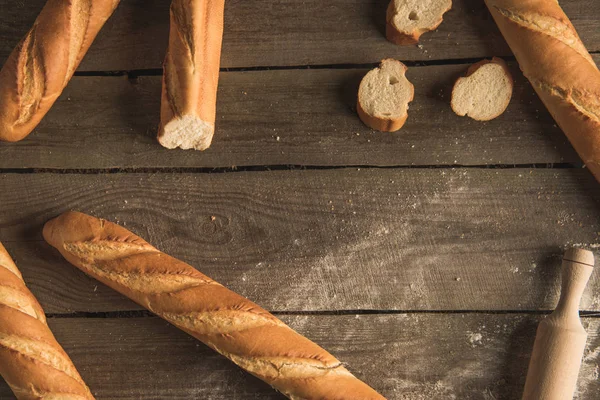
(423, 259)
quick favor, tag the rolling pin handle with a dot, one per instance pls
(577, 268)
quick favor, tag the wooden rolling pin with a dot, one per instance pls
(559, 67)
(561, 338)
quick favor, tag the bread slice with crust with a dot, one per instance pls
(485, 92)
(383, 96)
(407, 20)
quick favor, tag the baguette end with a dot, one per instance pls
(187, 132)
(72, 226)
(7, 262)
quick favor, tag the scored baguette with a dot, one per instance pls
(191, 74)
(560, 69)
(230, 324)
(42, 64)
(31, 361)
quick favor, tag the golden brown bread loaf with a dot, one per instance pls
(42, 64)
(559, 67)
(232, 325)
(191, 74)
(31, 361)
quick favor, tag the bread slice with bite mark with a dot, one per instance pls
(383, 96)
(407, 20)
(485, 92)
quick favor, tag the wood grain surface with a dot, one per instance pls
(368, 239)
(299, 117)
(404, 356)
(291, 32)
(422, 259)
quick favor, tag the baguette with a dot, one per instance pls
(230, 324)
(559, 67)
(191, 74)
(42, 64)
(31, 361)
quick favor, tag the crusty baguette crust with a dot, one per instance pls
(495, 60)
(42, 64)
(191, 72)
(31, 361)
(472, 69)
(392, 34)
(383, 124)
(553, 58)
(380, 124)
(399, 37)
(232, 325)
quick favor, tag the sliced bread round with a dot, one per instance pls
(383, 96)
(485, 92)
(407, 20)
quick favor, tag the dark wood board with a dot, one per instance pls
(412, 357)
(291, 32)
(343, 239)
(299, 117)
(427, 280)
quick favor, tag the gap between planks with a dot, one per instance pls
(269, 168)
(258, 68)
(409, 63)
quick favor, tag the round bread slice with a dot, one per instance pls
(485, 92)
(407, 20)
(383, 97)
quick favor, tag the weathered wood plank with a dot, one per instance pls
(301, 117)
(381, 239)
(415, 356)
(291, 32)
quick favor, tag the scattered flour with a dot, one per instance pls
(409, 390)
(475, 338)
(585, 245)
(589, 374)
